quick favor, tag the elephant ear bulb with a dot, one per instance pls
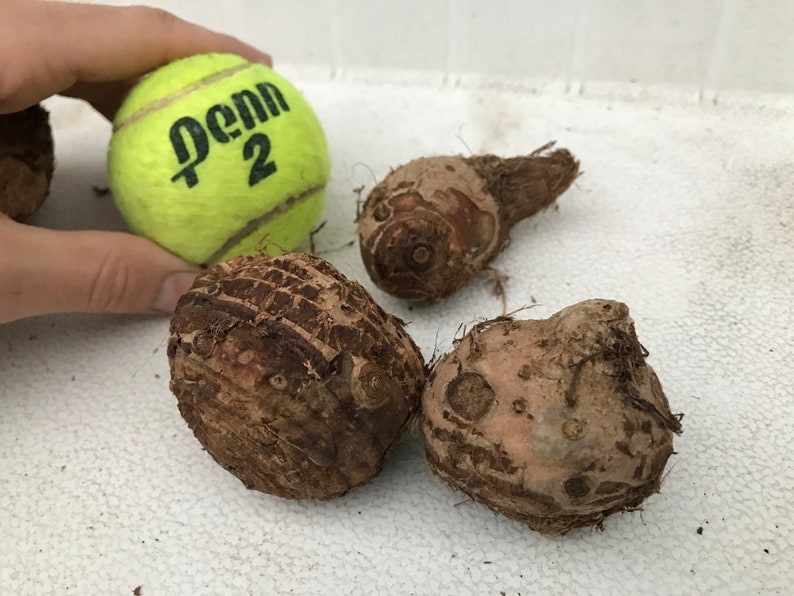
(432, 224)
(557, 423)
(26, 161)
(291, 376)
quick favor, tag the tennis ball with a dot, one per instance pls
(214, 157)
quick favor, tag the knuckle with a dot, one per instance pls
(156, 16)
(10, 87)
(111, 284)
(162, 24)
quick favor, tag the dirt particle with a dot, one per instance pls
(381, 213)
(699, 530)
(421, 257)
(245, 357)
(525, 372)
(278, 382)
(623, 447)
(203, 344)
(628, 427)
(577, 486)
(573, 429)
(519, 406)
(470, 396)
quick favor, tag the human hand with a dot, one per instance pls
(95, 53)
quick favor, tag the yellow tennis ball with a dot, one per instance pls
(213, 157)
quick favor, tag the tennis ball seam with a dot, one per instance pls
(261, 220)
(164, 102)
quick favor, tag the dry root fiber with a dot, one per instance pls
(289, 374)
(26, 161)
(557, 423)
(435, 222)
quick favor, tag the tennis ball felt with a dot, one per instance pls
(213, 157)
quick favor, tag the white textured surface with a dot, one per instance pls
(712, 46)
(684, 212)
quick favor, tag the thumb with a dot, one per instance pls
(44, 271)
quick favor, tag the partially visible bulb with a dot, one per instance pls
(26, 161)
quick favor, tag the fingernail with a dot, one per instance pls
(172, 289)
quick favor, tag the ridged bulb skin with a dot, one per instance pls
(291, 376)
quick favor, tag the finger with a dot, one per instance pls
(45, 271)
(56, 45)
(103, 43)
(106, 98)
